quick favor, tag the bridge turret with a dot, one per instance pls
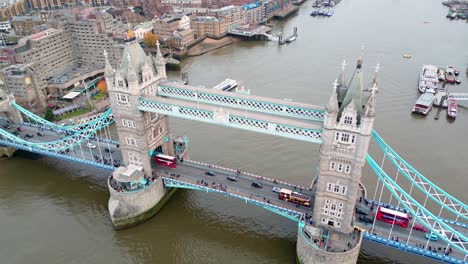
(160, 63)
(346, 133)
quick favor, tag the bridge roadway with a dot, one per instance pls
(52, 135)
(193, 172)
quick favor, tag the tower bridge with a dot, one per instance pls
(340, 214)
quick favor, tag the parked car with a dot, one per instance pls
(210, 173)
(366, 219)
(29, 136)
(257, 185)
(276, 189)
(232, 178)
(431, 236)
(420, 227)
(20, 129)
(91, 146)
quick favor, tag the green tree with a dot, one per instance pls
(49, 115)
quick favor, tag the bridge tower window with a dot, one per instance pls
(348, 120)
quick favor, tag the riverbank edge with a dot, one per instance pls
(123, 224)
(219, 43)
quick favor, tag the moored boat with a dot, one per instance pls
(450, 75)
(424, 104)
(441, 73)
(226, 85)
(314, 13)
(428, 79)
(452, 108)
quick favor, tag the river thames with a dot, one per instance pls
(55, 212)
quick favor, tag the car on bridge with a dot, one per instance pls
(431, 236)
(109, 150)
(91, 146)
(20, 129)
(232, 178)
(7, 126)
(29, 136)
(40, 134)
(16, 133)
(210, 173)
(257, 185)
(276, 189)
(361, 211)
(420, 227)
(366, 219)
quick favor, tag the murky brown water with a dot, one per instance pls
(51, 212)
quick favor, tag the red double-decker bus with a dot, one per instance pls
(165, 160)
(393, 217)
(294, 197)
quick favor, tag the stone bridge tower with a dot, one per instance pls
(140, 133)
(6, 99)
(134, 199)
(347, 129)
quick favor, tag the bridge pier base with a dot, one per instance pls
(131, 207)
(310, 252)
(7, 151)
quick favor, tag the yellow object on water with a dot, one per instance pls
(407, 56)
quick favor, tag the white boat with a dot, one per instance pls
(424, 104)
(226, 85)
(428, 79)
(452, 108)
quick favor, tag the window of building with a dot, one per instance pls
(343, 190)
(132, 141)
(329, 187)
(128, 123)
(134, 158)
(332, 166)
(353, 138)
(337, 135)
(120, 83)
(347, 169)
(336, 188)
(348, 120)
(340, 167)
(122, 98)
(344, 137)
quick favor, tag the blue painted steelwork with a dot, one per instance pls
(293, 215)
(411, 249)
(413, 207)
(40, 120)
(52, 154)
(241, 102)
(276, 129)
(77, 138)
(428, 188)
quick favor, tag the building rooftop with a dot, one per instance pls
(26, 18)
(205, 18)
(251, 5)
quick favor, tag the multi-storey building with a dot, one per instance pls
(233, 15)
(142, 29)
(252, 13)
(184, 37)
(12, 8)
(24, 25)
(209, 26)
(21, 81)
(185, 3)
(165, 26)
(50, 52)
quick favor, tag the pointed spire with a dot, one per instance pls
(332, 106)
(159, 58)
(375, 80)
(108, 71)
(359, 64)
(369, 110)
(342, 78)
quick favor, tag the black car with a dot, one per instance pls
(210, 173)
(40, 134)
(7, 126)
(16, 133)
(360, 211)
(109, 150)
(29, 136)
(232, 178)
(366, 219)
(257, 185)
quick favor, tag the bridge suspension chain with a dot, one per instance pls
(444, 199)
(427, 218)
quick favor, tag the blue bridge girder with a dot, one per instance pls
(432, 222)
(429, 189)
(256, 122)
(241, 101)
